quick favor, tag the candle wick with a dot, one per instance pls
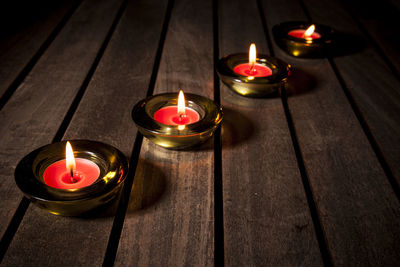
(306, 37)
(73, 180)
(252, 67)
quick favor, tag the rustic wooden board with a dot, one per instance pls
(380, 20)
(358, 209)
(25, 27)
(36, 110)
(170, 215)
(370, 81)
(32, 117)
(266, 216)
(120, 81)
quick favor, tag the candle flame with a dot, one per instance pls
(252, 54)
(181, 103)
(70, 160)
(309, 31)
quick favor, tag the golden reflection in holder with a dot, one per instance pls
(251, 86)
(314, 43)
(113, 167)
(177, 136)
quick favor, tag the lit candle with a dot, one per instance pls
(308, 34)
(177, 115)
(71, 173)
(252, 68)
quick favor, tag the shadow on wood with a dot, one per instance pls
(384, 11)
(346, 44)
(15, 16)
(148, 186)
(300, 82)
(236, 128)
(108, 210)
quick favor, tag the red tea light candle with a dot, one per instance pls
(177, 115)
(252, 69)
(71, 173)
(308, 34)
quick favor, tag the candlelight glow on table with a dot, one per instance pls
(171, 121)
(252, 76)
(70, 183)
(300, 39)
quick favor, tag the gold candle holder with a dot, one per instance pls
(251, 86)
(113, 167)
(302, 46)
(177, 136)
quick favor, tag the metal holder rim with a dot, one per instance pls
(210, 117)
(260, 86)
(143, 117)
(310, 48)
(30, 181)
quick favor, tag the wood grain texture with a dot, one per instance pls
(33, 115)
(381, 22)
(121, 80)
(25, 26)
(170, 215)
(358, 209)
(266, 215)
(374, 87)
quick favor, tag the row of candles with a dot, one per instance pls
(72, 173)
(174, 122)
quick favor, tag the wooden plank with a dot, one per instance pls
(266, 216)
(24, 28)
(377, 95)
(170, 216)
(38, 107)
(380, 21)
(120, 81)
(356, 204)
(36, 110)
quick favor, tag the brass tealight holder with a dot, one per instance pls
(303, 46)
(113, 167)
(251, 86)
(177, 136)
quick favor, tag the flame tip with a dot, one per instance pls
(310, 30)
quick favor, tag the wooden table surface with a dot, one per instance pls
(309, 177)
